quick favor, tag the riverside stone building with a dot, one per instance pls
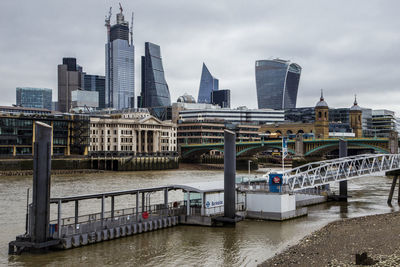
(132, 133)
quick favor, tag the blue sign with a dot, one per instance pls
(208, 204)
(275, 182)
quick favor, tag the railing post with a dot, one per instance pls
(166, 201)
(343, 184)
(112, 207)
(76, 212)
(102, 211)
(59, 218)
(137, 206)
(143, 202)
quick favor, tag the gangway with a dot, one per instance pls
(341, 169)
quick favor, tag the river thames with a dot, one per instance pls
(248, 244)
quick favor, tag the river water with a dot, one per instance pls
(248, 244)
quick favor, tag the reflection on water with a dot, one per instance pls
(249, 243)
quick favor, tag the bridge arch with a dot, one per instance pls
(336, 145)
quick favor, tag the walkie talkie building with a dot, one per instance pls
(277, 83)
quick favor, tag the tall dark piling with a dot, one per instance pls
(229, 173)
(343, 184)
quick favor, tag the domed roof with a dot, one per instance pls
(321, 102)
(355, 106)
(186, 99)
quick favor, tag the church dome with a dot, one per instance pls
(321, 102)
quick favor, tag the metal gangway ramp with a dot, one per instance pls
(340, 169)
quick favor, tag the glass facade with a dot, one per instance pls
(16, 134)
(221, 98)
(277, 83)
(155, 91)
(34, 97)
(208, 84)
(96, 83)
(120, 67)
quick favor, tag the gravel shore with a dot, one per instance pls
(337, 243)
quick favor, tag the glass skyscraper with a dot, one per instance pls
(277, 83)
(29, 97)
(208, 84)
(120, 65)
(96, 83)
(155, 91)
(221, 98)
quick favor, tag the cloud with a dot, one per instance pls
(345, 47)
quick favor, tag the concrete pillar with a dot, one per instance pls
(140, 141)
(188, 203)
(41, 183)
(145, 142)
(155, 141)
(393, 143)
(299, 145)
(229, 173)
(343, 184)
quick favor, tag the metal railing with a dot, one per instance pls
(341, 169)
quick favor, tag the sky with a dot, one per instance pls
(345, 47)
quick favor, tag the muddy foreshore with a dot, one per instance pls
(337, 243)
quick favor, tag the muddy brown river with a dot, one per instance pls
(248, 244)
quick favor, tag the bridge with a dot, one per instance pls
(337, 170)
(298, 146)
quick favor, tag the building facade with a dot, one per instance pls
(208, 84)
(83, 99)
(212, 131)
(383, 122)
(277, 83)
(30, 97)
(155, 91)
(239, 115)
(120, 65)
(221, 98)
(96, 83)
(70, 134)
(132, 133)
(69, 79)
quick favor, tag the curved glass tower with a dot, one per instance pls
(155, 91)
(208, 84)
(277, 83)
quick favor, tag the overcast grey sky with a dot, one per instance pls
(345, 47)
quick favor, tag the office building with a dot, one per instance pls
(84, 100)
(133, 133)
(208, 84)
(96, 83)
(34, 97)
(239, 115)
(221, 98)
(212, 131)
(69, 79)
(22, 110)
(155, 91)
(70, 133)
(179, 106)
(277, 83)
(120, 64)
(383, 122)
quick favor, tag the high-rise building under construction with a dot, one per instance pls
(120, 64)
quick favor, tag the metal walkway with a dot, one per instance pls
(341, 169)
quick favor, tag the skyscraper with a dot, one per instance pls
(277, 83)
(120, 64)
(96, 83)
(221, 98)
(207, 84)
(29, 97)
(69, 79)
(155, 91)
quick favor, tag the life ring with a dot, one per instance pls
(145, 215)
(175, 204)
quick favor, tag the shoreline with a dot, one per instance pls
(53, 172)
(337, 243)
